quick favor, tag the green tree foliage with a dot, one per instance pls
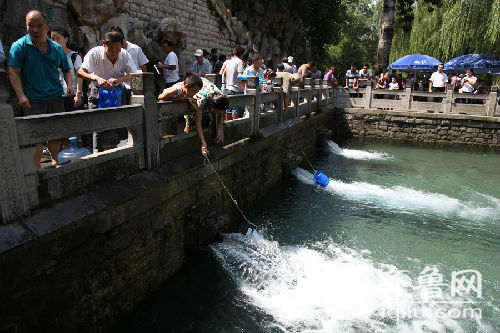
(448, 29)
(358, 35)
(321, 18)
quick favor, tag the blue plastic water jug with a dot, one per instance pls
(321, 179)
(72, 153)
(243, 77)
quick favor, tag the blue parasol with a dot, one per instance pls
(480, 63)
(415, 63)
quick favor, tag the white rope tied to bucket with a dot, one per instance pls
(303, 153)
(207, 162)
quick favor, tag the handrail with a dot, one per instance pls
(45, 127)
(145, 120)
(408, 100)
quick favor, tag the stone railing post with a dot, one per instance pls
(326, 91)
(492, 105)
(143, 87)
(448, 100)
(279, 88)
(215, 79)
(14, 200)
(407, 99)
(253, 88)
(308, 82)
(367, 97)
(296, 101)
(318, 84)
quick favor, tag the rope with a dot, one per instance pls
(208, 163)
(303, 153)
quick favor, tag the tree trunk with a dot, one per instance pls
(385, 35)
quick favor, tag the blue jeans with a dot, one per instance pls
(238, 110)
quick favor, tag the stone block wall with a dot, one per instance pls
(425, 127)
(201, 26)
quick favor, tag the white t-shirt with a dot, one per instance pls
(467, 87)
(76, 66)
(177, 86)
(234, 66)
(438, 79)
(96, 62)
(171, 75)
(393, 86)
(137, 55)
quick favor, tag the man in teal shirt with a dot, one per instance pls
(34, 65)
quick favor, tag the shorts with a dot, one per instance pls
(238, 110)
(53, 106)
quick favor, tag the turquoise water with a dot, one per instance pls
(374, 251)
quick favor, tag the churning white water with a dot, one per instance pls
(407, 199)
(356, 154)
(325, 287)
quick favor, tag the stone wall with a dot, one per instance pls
(78, 265)
(419, 126)
(271, 28)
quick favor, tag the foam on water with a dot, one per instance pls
(356, 154)
(407, 199)
(325, 287)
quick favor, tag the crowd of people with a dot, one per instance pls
(49, 75)
(466, 83)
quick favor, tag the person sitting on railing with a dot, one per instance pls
(182, 91)
(351, 77)
(209, 98)
(34, 64)
(364, 78)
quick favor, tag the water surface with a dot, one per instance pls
(374, 251)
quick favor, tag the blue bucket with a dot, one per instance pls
(321, 179)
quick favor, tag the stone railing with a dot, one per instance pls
(24, 187)
(408, 100)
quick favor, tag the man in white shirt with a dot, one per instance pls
(438, 82)
(170, 64)
(234, 86)
(138, 57)
(364, 77)
(107, 66)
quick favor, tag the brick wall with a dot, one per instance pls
(418, 126)
(198, 23)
